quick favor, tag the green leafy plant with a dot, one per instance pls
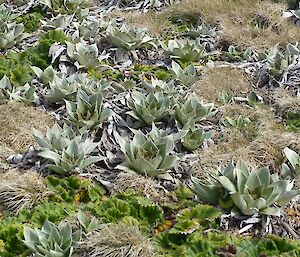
(201, 31)
(234, 55)
(194, 136)
(52, 240)
(30, 21)
(129, 39)
(6, 13)
(129, 204)
(149, 154)
(192, 110)
(65, 6)
(88, 110)
(250, 191)
(45, 76)
(294, 160)
(187, 76)
(73, 189)
(238, 123)
(88, 225)
(84, 56)
(10, 34)
(185, 52)
(150, 108)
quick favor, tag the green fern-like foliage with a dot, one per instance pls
(129, 204)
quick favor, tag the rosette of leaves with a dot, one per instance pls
(52, 240)
(11, 34)
(279, 61)
(150, 108)
(194, 110)
(88, 110)
(234, 55)
(57, 138)
(194, 136)
(84, 56)
(246, 191)
(185, 51)
(237, 123)
(293, 170)
(65, 6)
(58, 22)
(26, 94)
(187, 76)
(6, 13)
(129, 39)
(201, 31)
(156, 85)
(75, 157)
(149, 154)
(45, 76)
(90, 27)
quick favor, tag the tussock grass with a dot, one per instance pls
(17, 122)
(218, 79)
(236, 19)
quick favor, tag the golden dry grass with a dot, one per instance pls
(17, 122)
(218, 79)
(234, 18)
(264, 149)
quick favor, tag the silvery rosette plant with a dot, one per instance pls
(156, 85)
(74, 158)
(293, 169)
(187, 76)
(237, 123)
(90, 27)
(149, 154)
(192, 110)
(26, 94)
(85, 56)
(61, 21)
(52, 240)
(88, 110)
(185, 51)
(129, 39)
(58, 137)
(65, 6)
(11, 34)
(45, 76)
(6, 13)
(245, 191)
(194, 136)
(147, 109)
(65, 88)
(234, 55)
(201, 31)
(279, 61)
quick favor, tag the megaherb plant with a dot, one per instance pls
(192, 110)
(65, 6)
(149, 154)
(84, 56)
(185, 51)
(52, 240)
(234, 55)
(129, 39)
(69, 152)
(187, 76)
(245, 191)
(194, 136)
(294, 160)
(6, 14)
(88, 110)
(237, 123)
(26, 93)
(150, 108)
(11, 34)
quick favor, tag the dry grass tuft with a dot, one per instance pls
(118, 240)
(19, 191)
(263, 149)
(17, 122)
(234, 18)
(218, 79)
(147, 186)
